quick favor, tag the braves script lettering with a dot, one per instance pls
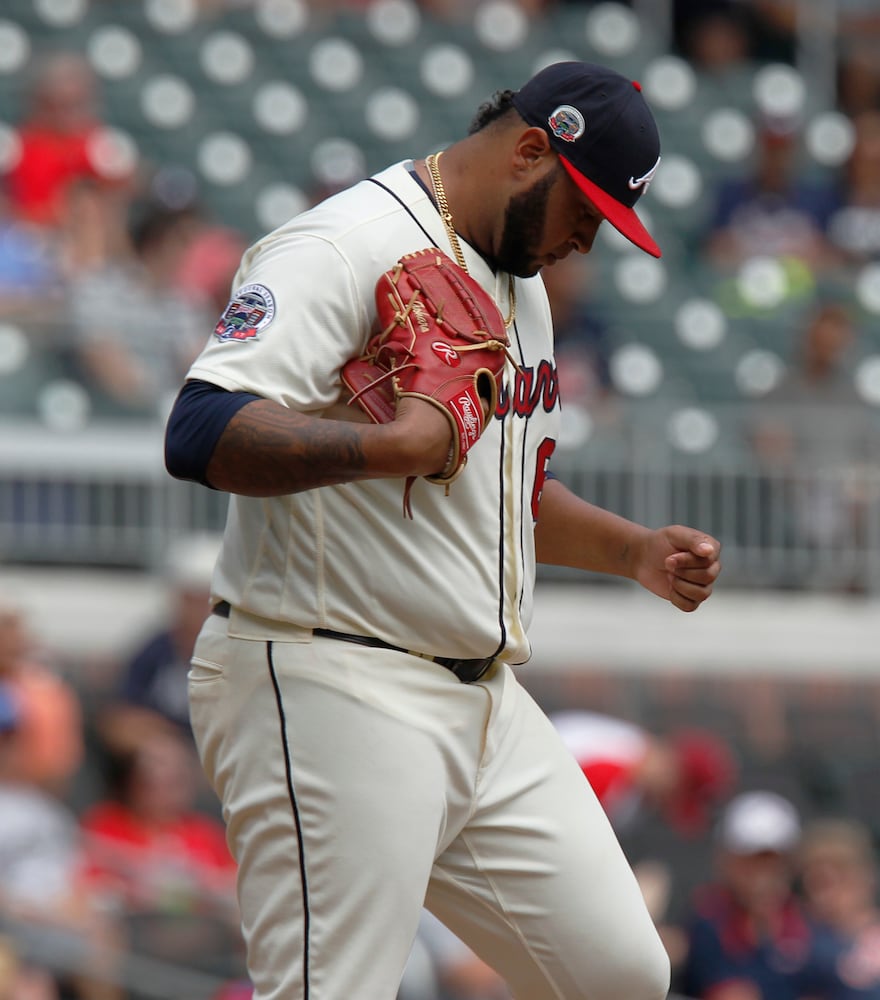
(533, 387)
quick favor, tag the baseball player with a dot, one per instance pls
(353, 692)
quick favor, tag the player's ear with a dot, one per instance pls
(531, 152)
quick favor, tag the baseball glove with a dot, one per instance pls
(441, 339)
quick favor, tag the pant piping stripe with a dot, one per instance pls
(288, 770)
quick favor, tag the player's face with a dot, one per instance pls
(546, 223)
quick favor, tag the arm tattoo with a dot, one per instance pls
(267, 450)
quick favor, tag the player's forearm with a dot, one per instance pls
(572, 532)
(269, 450)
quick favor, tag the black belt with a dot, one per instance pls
(467, 671)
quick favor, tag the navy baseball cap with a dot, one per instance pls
(603, 130)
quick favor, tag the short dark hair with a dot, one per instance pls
(499, 105)
(150, 224)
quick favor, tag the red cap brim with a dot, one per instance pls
(623, 218)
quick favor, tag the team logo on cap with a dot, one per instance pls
(250, 309)
(642, 182)
(567, 123)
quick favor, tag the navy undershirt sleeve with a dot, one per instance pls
(198, 418)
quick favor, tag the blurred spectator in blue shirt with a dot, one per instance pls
(29, 266)
(152, 684)
(839, 878)
(772, 209)
(581, 334)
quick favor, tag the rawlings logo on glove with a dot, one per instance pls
(448, 355)
(441, 339)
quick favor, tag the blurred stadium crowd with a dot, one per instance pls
(734, 383)
(144, 144)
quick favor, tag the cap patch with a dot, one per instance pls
(567, 123)
(250, 310)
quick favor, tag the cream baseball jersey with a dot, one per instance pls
(464, 566)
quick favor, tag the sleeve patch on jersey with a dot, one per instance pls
(250, 310)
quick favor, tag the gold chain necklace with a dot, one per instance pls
(432, 162)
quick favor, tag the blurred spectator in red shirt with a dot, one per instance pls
(149, 848)
(208, 265)
(238, 989)
(683, 777)
(634, 772)
(159, 862)
(59, 123)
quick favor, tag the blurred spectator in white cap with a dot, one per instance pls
(759, 823)
(152, 689)
(748, 936)
(155, 858)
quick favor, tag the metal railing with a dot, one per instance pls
(101, 497)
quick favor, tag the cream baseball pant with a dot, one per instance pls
(359, 784)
